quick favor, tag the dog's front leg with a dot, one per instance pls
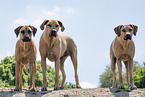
(127, 73)
(132, 86)
(43, 63)
(57, 66)
(32, 75)
(121, 85)
(17, 73)
(21, 70)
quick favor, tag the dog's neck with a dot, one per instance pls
(49, 40)
(124, 43)
(25, 45)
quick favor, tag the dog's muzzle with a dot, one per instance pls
(127, 36)
(26, 39)
(53, 33)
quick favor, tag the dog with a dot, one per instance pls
(123, 49)
(57, 48)
(25, 53)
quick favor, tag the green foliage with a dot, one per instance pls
(139, 77)
(106, 79)
(7, 74)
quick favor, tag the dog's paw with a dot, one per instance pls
(32, 90)
(61, 87)
(17, 89)
(112, 87)
(133, 87)
(44, 89)
(121, 87)
(56, 88)
(78, 86)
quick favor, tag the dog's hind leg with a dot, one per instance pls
(132, 86)
(75, 63)
(113, 67)
(127, 73)
(62, 59)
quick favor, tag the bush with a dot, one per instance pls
(7, 74)
(106, 79)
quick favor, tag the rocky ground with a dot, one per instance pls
(93, 92)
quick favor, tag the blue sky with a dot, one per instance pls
(89, 22)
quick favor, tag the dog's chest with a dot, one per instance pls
(124, 57)
(24, 60)
(50, 55)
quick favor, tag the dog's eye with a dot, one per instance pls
(123, 30)
(49, 25)
(130, 30)
(29, 31)
(56, 26)
(23, 32)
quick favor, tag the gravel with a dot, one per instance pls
(90, 92)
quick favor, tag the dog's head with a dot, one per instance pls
(52, 27)
(126, 31)
(25, 32)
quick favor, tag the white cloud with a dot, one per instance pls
(25, 21)
(88, 85)
(51, 13)
(69, 11)
(38, 19)
(20, 21)
(28, 6)
(57, 10)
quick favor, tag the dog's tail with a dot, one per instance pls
(26, 69)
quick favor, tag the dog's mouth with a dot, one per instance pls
(53, 33)
(26, 39)
(127, 37)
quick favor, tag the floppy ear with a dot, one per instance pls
(34, 30)
(43, 24)
(17, 30)
(61, 25)
(118, 30)
(134, 29)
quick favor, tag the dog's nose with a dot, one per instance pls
(53, 30)
(26, 39)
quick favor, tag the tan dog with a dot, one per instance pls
(123, 49)
(56, 48)
(25, 53)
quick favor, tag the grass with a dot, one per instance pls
(34, 93)
(128, 90)
(43, 93)
(117, 91)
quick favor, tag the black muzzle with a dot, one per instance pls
(53, 33)
(26, 39)
(127, 36)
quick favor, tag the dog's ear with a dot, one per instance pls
(118, 30)
(61, 25)
(135, 28)
(34, 30)
(17, 30)
(43, 24)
